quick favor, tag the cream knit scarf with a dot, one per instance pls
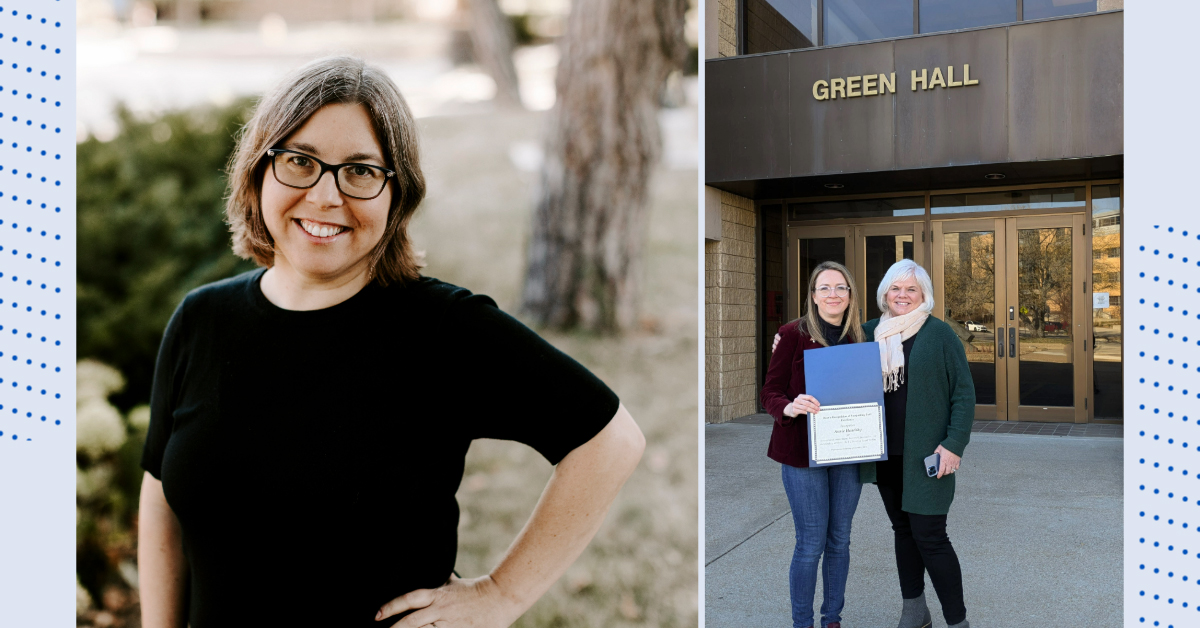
(891, 334)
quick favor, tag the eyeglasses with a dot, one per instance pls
(825, 291)
(299, 170)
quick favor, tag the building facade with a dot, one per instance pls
(983, 140)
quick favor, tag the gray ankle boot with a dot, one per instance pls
(962, 624)
(916, 614)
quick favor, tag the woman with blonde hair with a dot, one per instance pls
(823, 499)
(310, 420)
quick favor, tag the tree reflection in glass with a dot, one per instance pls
(1044, 304)
(970, 289)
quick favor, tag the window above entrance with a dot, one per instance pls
(862, 208)
(778, 25)
(1009, 200)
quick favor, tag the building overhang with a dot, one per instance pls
(1038, 102)
(918, 180)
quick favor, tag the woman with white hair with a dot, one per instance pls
(929, 403)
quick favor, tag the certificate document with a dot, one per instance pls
(847, 433)
(848, 383)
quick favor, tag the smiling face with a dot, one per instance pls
(831, 305)
(904, 296)
(322, 236)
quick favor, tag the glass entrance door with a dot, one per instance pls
(1045, 284)
(968, 283)
(876, 248)
(1009, 287)
(809, 246)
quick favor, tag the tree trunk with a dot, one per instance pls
(602, 145)
(492, 39)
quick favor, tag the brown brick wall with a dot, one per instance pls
(730, 302)
(727, 33)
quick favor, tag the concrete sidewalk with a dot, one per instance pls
(1036, 522)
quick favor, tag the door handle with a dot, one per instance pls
(1012, 342)
(1000, 342)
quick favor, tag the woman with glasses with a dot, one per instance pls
(309, 420)
(823, 499)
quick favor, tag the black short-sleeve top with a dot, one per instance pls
(312, 457)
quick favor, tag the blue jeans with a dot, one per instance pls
(823, 501)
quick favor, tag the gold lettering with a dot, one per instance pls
(821, 90)
(950, 77)
(889, 85)
(852, 85)
(869, 85)
(936, 79)
(967, 76)
(915, 79)
(837, 86)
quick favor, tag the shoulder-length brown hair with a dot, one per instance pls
(285, 109)
(809, 323)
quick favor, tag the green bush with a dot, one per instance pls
(151, 228)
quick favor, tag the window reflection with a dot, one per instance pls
(1106, 301)
(1038, 9)
(948, 15)
(970, 304)
(848, 21)
(863, 208)
(1044, 306)
(773, 25)
(1046, 198)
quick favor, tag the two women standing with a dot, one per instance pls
(929, 403)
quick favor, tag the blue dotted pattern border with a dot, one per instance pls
(37, 224)
(1162, 424)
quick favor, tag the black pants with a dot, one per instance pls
(921, 545)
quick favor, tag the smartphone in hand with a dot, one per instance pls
(932, 464)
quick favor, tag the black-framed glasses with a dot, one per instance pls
(301, 170)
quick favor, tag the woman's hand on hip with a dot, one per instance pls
(950, 461)
(475, 602)
(776, 343)
(802, 404)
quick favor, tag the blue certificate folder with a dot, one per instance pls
(842, 375)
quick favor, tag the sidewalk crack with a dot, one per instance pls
(739, 543)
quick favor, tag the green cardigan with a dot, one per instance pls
(939, 411)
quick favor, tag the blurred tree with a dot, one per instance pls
(151, 228)
(492, 39)
(603, 143)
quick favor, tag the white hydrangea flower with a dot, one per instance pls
(93, 482)
(98, 428)
(139, 418)
(83, 601)
(96, 380)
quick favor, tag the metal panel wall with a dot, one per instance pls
(1048, 90)
(950, 127)
(852, 134)
(751, 99)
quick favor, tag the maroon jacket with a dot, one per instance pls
(785, 380)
